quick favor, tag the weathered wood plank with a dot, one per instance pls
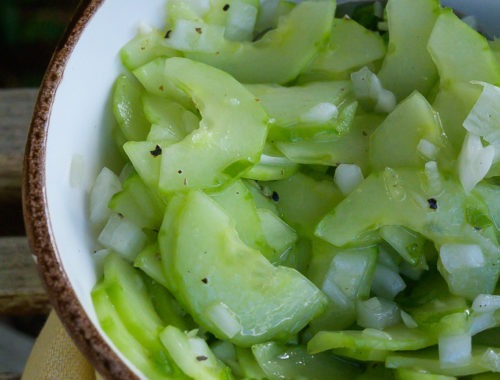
(21, 291)
(16, 108)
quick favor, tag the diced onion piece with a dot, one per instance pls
(224, 318)
(408, 320)
(369, 90)
(427, 149)
(240, 22)
(433, 178)
(455, 350)
(320, 113)
(123, 237)
(490, 360)
(459, 256)
(410, 271)
(386, 282)
(377, 313)
(347, 177)
(484, 118)
(482, 321)
(486, 303)
(474, 161)
(268, 15)
(144, 28)
(106, 185)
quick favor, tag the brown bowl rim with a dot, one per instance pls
(37, 219)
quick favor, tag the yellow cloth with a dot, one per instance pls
(55, 357)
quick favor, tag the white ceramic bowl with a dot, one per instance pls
(70, 134)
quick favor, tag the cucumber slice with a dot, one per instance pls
(471, 59)
(127, 94)
(231, 135)
(411, 374)
(210, 261)
(280, 361)
(145, 157)
(395, 143)
(408, 65)
(351, 47)
(193, 356)
(281, 54)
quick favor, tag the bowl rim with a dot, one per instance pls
(37, 217)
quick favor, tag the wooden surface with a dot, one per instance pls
(21, 292)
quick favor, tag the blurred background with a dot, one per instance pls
(29, 31)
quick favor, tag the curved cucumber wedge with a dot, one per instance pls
(231, 134)
(208, 261)
(280, 55)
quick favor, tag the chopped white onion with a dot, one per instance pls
(122, 236)
(240, 21)
(482, 321)
(459, 256)
(474, 161)
(427, 149)
(347, 177)
(377, 313)
(144, 28)
(386, 282)
(105, 186)
(320, 113)
(486, 303)
(224, 318)
(433, 178)
(455, 350)
(490, 360)
(484, 118)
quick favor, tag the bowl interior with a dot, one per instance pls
(79, 140)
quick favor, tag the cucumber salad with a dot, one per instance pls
(304, 194)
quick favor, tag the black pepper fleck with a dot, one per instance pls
(201, 358)
(204, 280)
(167, 35)
(432, 203)
(156, 151)
(225, 7)
(275, 196)
(179, 171)
(198, 30)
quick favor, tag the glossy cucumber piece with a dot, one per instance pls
(351, 46)
(413, 374)
(395, 143)
(408, 66)
(145, 157)
(111, 322)
(281, 54)
(231, 135)
(313, 110)
(280, 361)
(138, 203)
(127, 108)
(471, 59)
(210, 261)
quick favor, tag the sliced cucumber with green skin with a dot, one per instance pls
(394, 338)
(408, 65)
(428, 360)
(126, 294)
(138, 203)
(412, 374)
(280, 55)
(145, 47)
(351, 148)
(471, 59)
(193, 356)
(231, 135)
(313, 110)
(127, 108)
(395, 143)
(351, 46)
(110, 321)
(149, 261)
(281, 361)
(210, 261)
